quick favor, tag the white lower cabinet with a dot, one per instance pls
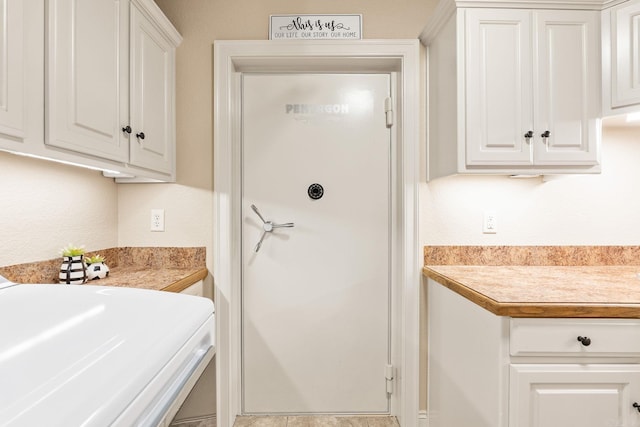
(495, 371)
(580, 395)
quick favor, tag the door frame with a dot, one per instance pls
(231, 59)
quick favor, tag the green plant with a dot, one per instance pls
(71, 250)
(95, 259)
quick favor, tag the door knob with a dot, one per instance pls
(528, 136)
(140, 135)
(546, 134)
(636, 405)
(267, 227)
(127, 129)
(586, 341)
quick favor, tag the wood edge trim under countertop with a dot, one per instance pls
(187, 281)
(534, 309)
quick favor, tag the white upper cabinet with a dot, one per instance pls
(88, 78)
(621, 58)
(499, 83)
(567, 90)
(111, 84)
(81, 82)
(152, 96)
(513, 91)
(12, 69)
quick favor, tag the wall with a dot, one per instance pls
(569, 210)
(44, 206)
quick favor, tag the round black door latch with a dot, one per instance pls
(315, 191)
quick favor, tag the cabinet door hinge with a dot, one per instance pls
(388, 111)
(389, 377)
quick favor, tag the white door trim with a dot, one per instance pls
(231, 58)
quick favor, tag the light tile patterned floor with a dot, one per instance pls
(204, 422)
(297, 421)
(315, 421)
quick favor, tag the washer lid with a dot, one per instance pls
(5, 283)
(79, 355)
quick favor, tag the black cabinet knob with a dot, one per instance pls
(636, 405)
(126, 129)
(586, 341)
(546, 134)
(140, 135)
(529, 134)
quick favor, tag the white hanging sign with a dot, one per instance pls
(315, 27)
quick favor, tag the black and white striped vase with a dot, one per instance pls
(73, 270)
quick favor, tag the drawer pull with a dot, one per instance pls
(586, 341)
(636, 405)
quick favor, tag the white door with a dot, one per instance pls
(88, 77)
(499, 84)
(316, 317)
(568, 87)
(571, 395)
(151, 96)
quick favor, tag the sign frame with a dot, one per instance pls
(315, 27)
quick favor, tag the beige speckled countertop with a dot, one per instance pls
(166, 279)
(159, 268)
(553, 290)
(537, 291)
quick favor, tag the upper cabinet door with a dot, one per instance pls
(152, 91)
(498, 53)
(88, 72)
(12, 70)
(567, 91)
(625, 54)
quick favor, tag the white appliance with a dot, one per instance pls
(84, 355)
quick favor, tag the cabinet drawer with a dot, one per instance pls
(559, 337)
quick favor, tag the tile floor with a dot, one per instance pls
(315, 421)
(203, 422)
(297, 421)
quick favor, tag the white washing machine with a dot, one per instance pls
(84, 355)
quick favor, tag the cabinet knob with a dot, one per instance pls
(636, 405)
(528, 135)
(546, 134)
(586, 341)
(127, 129)
(140, 135)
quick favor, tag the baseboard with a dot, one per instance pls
(423, 419)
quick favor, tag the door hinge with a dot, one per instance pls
(388, 111)
(389, 377)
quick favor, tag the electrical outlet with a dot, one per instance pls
(157, 219)
(490, 223)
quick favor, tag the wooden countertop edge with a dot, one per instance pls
(628, 311)
(187, 281)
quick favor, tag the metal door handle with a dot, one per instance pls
(267, 227)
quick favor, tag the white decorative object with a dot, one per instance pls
(73, 270)
(97, 270)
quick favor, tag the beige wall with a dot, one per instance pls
(568, 210)
(44, 206)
